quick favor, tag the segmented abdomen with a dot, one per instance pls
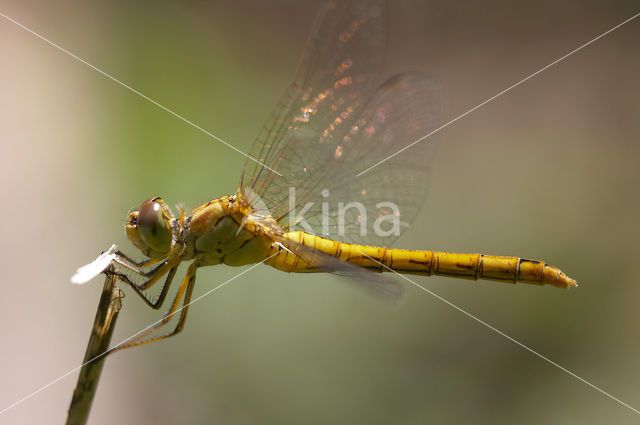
(463, 266)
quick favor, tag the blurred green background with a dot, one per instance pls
(549, 170)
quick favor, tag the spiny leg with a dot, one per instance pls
(138, 268)
(139, 288)
(185, 289)
(135, 264)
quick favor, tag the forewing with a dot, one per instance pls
(336, 75)
(320, 174)
(332, 124)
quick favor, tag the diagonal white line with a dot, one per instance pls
(25, 398)
(137, 92)
(501, 93)
(482, 322)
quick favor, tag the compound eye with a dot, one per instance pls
(154, 224)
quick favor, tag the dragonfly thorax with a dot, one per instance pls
(225, 230)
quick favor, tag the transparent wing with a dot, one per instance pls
(336, 73)
(332, 124)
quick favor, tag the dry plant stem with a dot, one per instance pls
(103, 325)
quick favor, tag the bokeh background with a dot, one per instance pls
(549, 170)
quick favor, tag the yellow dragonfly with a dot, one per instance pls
(300, 206)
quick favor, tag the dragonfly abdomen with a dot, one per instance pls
(478, 267)
(426, 263)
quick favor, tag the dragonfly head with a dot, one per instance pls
(149, 228)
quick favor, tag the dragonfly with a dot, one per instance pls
(335, 119)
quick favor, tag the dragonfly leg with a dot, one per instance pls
(139, 288)
(185, 289)
(143, 263)
(137, 267)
